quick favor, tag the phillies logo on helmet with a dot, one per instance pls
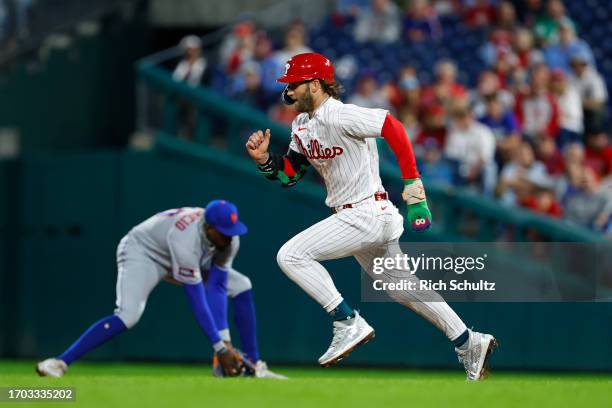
(316, 151)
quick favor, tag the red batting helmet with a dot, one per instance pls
(310, 65)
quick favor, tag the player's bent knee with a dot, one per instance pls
(129, 318)
(285, 258)
(238, 283)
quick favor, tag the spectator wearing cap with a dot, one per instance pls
(472, 146)
(558, 55)
(570, 109)
(598, 154)
(515, 180)
(380, 23)
(537, 112)
(592, 90)
(420, 22)
(504, 125)
(547, 26)
(369, 94)
(192, 65)
(189, 70)
(237, 47)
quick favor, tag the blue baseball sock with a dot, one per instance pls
(244, 318)
(99, 333)
(216, 296)
(342, 312)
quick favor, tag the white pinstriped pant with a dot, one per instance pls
(369, 230)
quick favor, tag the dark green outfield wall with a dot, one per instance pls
(60, 231)
(78, 97)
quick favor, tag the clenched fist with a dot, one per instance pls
(257, 146)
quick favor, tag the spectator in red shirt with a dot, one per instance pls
(406, 92)
(543, 201)
(238, 47)
(504, 65)
(480, 14)
(598, 153)
(434, 126)
(524, 48)
(445, 91)
(547, 152)
(538, 112)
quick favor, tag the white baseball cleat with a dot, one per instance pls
(475, 358)
(348, 335)
(262, 371)
(51, 367)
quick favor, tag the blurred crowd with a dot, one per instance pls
(532, 132)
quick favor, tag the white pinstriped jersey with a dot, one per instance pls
(338, 142)
(175, 239)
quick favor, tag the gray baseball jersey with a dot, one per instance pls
(338, 142)
(175, 240)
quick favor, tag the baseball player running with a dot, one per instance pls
(337, 139)
(176, 245)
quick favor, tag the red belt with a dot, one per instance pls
(380, 196)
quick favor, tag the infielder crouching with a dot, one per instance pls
(337, 139)
(176, 245)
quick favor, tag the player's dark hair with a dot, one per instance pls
(334, 89)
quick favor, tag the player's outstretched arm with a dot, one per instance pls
(288, 168)
(230, 361)
(419, 215)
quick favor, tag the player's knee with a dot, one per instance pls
(238, 284)
(129, 316)
(284, 258)
(288, 258)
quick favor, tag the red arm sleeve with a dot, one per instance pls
(394, 133)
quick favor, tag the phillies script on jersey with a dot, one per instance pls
(315, 151)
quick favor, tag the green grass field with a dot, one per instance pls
(159, 385)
